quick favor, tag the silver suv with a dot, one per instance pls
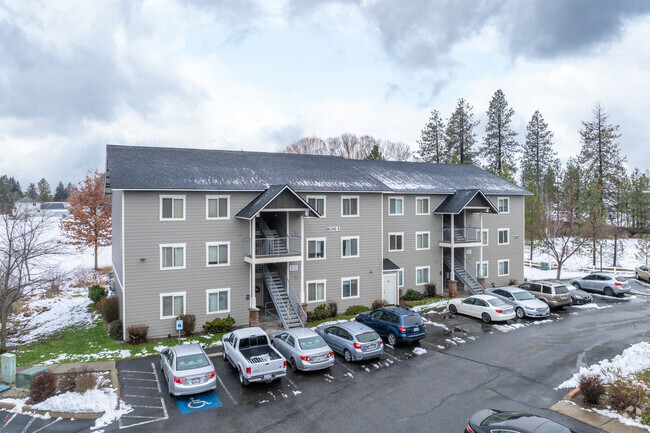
(604, 283)
(554, 294)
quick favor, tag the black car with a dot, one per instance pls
(490, 421)
(578, 297)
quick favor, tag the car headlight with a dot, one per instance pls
(530, 308)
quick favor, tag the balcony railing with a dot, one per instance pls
(462, 234)
(276, 246)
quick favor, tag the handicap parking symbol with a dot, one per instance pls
(192, 403)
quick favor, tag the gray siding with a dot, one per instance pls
(116, 248)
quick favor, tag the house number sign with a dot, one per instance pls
(334, 229)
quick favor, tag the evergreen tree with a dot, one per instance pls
(534, 215)
(31, 191)
(432, 141)
(499, 144)
(594, 225)
(639, 202)
(459, 135)
(375, 154)
(44, 192)
(538, 156)
(10, 192)
(60, 194)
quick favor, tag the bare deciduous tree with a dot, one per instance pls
(308, 145)
(350, 146)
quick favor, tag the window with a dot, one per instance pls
(318, 203)
(396, 206)
(422, 240)
(350, 247)
(172, 304)
(217, 301)
(350, 287)
(395, 241)
(504, 205)
(316, 249)
(504, 236)
(422, 205)
(217, 207)
(400, 278)
(350, 206)
(172, 256)
(172, 207)
(503, 267)
(422, 275)
(482, 269)
(316, 291)
(485, 236)
(218, 253)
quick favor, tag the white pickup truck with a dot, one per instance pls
(249, 351)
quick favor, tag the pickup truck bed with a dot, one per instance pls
(256, 355)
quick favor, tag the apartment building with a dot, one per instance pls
(216, 233)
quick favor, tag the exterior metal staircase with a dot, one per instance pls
(274, 244)
(465, 277)
(286, 302)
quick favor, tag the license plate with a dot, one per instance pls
(196, 380)
(416, 329)
(507, 311)
(268, 376)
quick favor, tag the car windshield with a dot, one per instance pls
(560, 290)
(189, 362)
(523, 296)
(621, 279)
(496, 302)
(311, 343)
(501, 417)
(412, 319)
(367, 337)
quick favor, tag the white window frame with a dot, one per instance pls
(487, 237)
(358, 287)
(507, 230)
(487, 268)
(395, 198)
(207, 254)
(400, 271)
(324, 198)
(172, 294)
(324, 240)
(349, 197)
(417, 268)
(207, 301)
(345, 238)
(173, 197)
(184, 246)
(428, 205)
(207, 207)
(396, 234)
(506, 200)
(428, 247)
(499, 267)
(307, 283)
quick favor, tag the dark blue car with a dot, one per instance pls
(397, 324)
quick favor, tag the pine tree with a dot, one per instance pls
(68, 190)
(459, 135)
(432, 141)
(499, 144)
(44, 192)
(639, 202)
(534, 215)
(60, 193)
(31, 191)
(594, 225)
(538, 156)
(375, 154)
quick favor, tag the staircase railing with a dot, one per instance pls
(462, 234)
(275, 246)
(295, 303)
(280, 306)
(465, 277)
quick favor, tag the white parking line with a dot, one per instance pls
(391, 356)
(149, 419)
(145, 387)
(46, 426)
(136, 371)
(28, 424)
(8, 422)
(144, 380)
(155, 373)
(224, 388)
(344, 366)
(291, 382)
(148, 407)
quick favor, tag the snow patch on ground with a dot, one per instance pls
(591, 306)
(621, 418)
(419, 351)
(439, 325)
(429, 306)
(508, 328)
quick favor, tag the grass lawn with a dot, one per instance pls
(424, 301)
(329, 319)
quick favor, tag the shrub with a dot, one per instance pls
(431, 290)
(592, 387)
(115, 330)
(334, 308)
(356, 309)
(645, 415)
(513, 282)
(189, 323)
(623, 393)
(413, 295)
(379, 303)
(66, 382)
(321, 312)
(96, 292)
(137, 334)
(84, 382)
(219, 326)
(110, 309)
(43, 387)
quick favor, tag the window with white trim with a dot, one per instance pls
(316, 249)
(482, 269)
(172, 304)
(504, 205)
(422, 275)
(504, 236)
(217, 253)
(422, 205)
(421, 240)
(172, 256)
(316, 291)
(349, 287)
(504, 268)
(172, 207)
(350, 206)
(396, 206)
(400, 278)
(317, 202)
(485, 236)
(217, 301)
(350, 247)
(395, 241)
(217, 207)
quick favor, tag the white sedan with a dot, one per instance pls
(486, 307)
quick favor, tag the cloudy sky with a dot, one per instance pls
(258, 75)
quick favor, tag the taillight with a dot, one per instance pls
(617, 284)
(357, 346)
(469, 429)
(179, 379)
(381, 341)
(248, 369)
(555, 298)
(285, 363)
(499, 311)
(211, 374)
(329, 355)
(402, 329)
(305, 358)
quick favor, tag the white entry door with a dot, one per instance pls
(390, 288)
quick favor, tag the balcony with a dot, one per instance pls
(462, 235)
(274, 249)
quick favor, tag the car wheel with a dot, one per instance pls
(576, 285)
(292, 364)
(486, 317)
(347, 355)
(609, 292)
(169, 389)
(242, 379)
(453, 309)
(637, 276)
(520, 312)
(392, 339)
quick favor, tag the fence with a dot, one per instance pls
(626, 272)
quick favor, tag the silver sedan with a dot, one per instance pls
(526, 305)
(187, 369)
(304, 349)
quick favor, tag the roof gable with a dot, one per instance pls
(455, 203)
(266, 198)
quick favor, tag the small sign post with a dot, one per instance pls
(179, 328)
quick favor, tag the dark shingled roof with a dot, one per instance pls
(389, 265)
(455, 203)
(166, 168)
(260, 202)
(53, 206)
